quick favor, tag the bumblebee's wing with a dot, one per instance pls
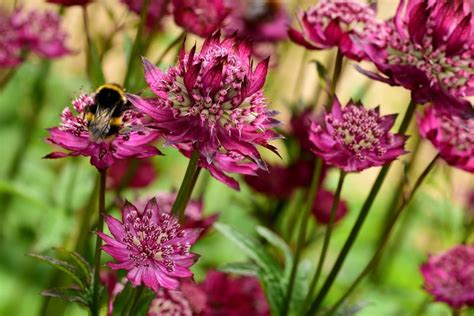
(100, 125)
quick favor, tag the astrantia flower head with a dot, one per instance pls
(69, 3)
(451, 135)
(322, 207)
(354, 138)
(151, 245)
(201, 17)
(259, 21)
(212, 102)
(449, 276)
(430, 50)
(170, 303)
(341, 24)
(104, 139)
(157, 9)
(30, 31)
(233, 296)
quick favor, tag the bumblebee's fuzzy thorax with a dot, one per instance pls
(104, 116)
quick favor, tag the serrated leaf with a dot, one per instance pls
(62, 266)
(240, 268)
(67, 294)
(78, 261)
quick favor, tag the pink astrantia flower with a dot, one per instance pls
(170, 303)
(193, 214)
(430, 50)
(448, 276)
(69, 3)
(129, 139)
(233, 296)
(201, 17)
(452, 135)
(151, 245)
(354, 138)
(212, 102)
(144, 173)
(30, 31)
(157, 9)
(341, 24)
(258, 21)
(322, 207)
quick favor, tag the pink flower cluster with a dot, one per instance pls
(30, 31)
(212, 102)
(354, 138)
(342, 24)
(73, 134)
(151, 245)
(448, 276)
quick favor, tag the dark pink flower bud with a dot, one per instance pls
(448, 276)
(451, 135)
(144, 173)
(322, 207)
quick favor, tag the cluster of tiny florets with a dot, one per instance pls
(458, 132)
(359, 131)
(152, 240)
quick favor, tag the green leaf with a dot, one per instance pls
(78, 261)
(62, 266)
(324, 80)
(269, 273)
(67, 294)
(240, 268)
(279, 243)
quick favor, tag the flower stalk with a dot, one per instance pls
(133, 300)
(175, 42)
(360, 219)
(335, 77)
(386, 236)
(187, 186)
(98, 244)
(327, 239)
(313, 190)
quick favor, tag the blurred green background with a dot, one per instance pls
(47, 197)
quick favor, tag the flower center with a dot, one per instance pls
(458, 132)
(151, 241)
(359, 132)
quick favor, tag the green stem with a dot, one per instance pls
(327, 238)
(302, 232)
(187, 186)
(133, 300)
(456, 311)
(299, 77)
(335, 77)
(98, 243)
(386, 236)
(392, 208)
(360, 219)
(175, 42)
(132, 62)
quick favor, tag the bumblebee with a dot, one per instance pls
(104, 117)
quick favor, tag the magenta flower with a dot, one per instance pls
(265, 21)
(342, 24)
(212, 102)
(233, 296)
(144, 173)
(151, 245)
(451, 135)
(430, 50)
(127, 139)
(354, 138)
(69, 3)
(157, 9)
(448, 276)
(273, 183)
(201, 17)
(322, 207)
(170, 303)
(30, 31)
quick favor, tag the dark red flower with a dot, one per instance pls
(322, 207)
(201, 17)
(144, 173)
